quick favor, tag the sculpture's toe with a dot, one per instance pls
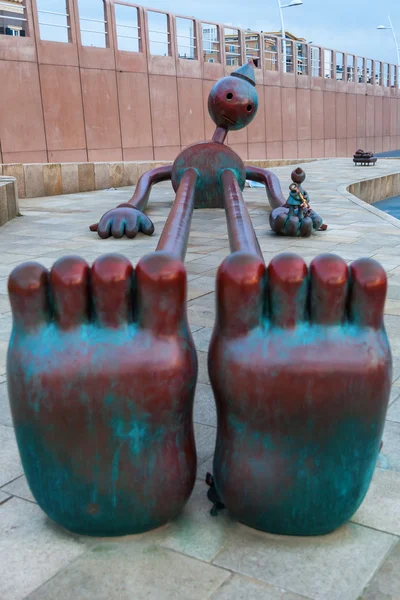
(112, 289)
(368, 293)
(28, 290)
(288, 283)
(329, 289)
(69, 279)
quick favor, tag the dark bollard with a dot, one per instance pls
(300, 367)
(102, 372)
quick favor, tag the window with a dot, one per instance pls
(252, 41)
(302, 59)
(128, 29)
(232, 47)
(328, 64)
(392, 76)
(186, 38)
(378, 73)
(360, 70)
(350, 68)
(339, 66)
(386, 75)
(13, 19)
(158, 33)
(92, 20)
(270, 53)
(370, 71)
(211, 43)
(315, 62)
(53, 20)
(287, 56)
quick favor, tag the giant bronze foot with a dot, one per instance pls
(102, 373)
(301, 371)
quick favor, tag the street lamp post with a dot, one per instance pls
(281, 7)
(394, 37)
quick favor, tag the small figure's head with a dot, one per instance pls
(298, 176)
(233, 100)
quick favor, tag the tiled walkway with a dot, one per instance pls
(200, 557)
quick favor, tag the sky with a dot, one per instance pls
(344, 25)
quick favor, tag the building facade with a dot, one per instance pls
(98, 80)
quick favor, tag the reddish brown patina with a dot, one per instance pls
(232, 104)
(300, 367)
(102, 372)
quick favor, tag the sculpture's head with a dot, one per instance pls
(233, 100)
(298, 176)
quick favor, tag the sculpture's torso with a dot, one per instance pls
(210, 159)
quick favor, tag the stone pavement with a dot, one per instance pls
(199, 557)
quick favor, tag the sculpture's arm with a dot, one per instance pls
(128, 218)
(271, 182)
(140, 198)
(242, 237)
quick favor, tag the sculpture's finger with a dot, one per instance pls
(132, 226)
(94, 227)
(277, 220)
(146, 225)
(368, 292)
(329, 289)
(112, 289)
(161, 293)
(104, 227)
(306, 227)
(240, 297)
(69, 280)
(28, 290)
(292, 226)
(287, 283)
(118, 226)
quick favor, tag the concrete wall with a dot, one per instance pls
(379, 188)
(37, 180)
(65, 102)
(8, 199)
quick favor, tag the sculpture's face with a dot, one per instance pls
(232, 103)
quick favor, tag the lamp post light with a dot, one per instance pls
(281, 7)
(394, 37)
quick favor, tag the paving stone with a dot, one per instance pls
(5, 412)
(20, 488)
(393, 413)
(134, 570)
(32, 549)
(195, 532)
(389, 457)
(4, 497)
(10, 464)
(381, 507)
(335, 566)
(386, 583)
(202, 376)
(202, 339)
(205, 437)
(242, 588)
(204, 405)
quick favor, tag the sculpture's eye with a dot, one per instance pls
(229, 96)
(249, 108)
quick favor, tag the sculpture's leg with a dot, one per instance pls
(240, 228)
(128, 218)
(300, 367)
(101, 382)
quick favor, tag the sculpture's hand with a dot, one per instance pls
(301, 371)
(292, 226)
(123, 220)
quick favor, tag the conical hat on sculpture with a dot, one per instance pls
(246, 72)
